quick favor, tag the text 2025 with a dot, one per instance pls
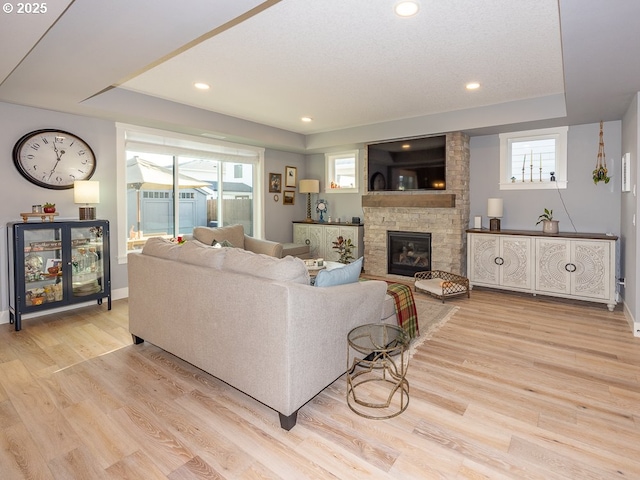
(31, 8)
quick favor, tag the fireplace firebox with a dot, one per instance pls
(408, 252)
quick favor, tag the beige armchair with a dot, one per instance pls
(234, 234)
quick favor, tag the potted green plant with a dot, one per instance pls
(549, 225)
(344, 248)
(49, 207)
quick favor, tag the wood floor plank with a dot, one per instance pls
(78, 463)
(101, 436)
(20, 456)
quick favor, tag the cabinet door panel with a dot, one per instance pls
(591, 278)
(317, 246)
(516, 269)
(552, 258)
(483, 267)
(43, 249)
(331, 235)
(300, 233)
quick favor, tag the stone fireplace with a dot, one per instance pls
(442, 214)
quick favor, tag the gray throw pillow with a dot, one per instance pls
(224, 243)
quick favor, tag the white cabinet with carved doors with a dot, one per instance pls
(576, 268)
(501, 261)
(580, 266)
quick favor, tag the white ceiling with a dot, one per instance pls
(347, 64)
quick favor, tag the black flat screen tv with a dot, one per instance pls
(413, 164)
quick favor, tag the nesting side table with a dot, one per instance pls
(377, 362)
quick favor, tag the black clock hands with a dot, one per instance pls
(58, 158)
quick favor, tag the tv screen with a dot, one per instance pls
(413, 164)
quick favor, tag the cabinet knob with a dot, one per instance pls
(499, 261)
(570, 267)
(307, 241)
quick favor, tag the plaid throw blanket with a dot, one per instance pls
(405, 308)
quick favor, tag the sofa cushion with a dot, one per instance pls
(234, 234)
(161, 247)
(288, 269)
(339, 276)
(197, 253)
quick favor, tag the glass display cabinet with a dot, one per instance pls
(55, 264)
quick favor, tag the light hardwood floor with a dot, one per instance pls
(512, 386)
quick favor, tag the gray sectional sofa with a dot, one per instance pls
(249, 319)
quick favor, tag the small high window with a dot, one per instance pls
(535, 159)
(342, 172)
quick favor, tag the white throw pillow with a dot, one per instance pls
(339, 276)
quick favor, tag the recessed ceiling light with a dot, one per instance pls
(406, 146)
(307, 119)
(406, 9)
(472, 86)
(202, 86)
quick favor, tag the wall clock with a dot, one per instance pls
(53, 158)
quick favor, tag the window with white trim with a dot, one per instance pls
(534, 159)
(168, 183)
(342, 172)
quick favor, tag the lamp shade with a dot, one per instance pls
(494, 208)
(86, 191)
(309, 186)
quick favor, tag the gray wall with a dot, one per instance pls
(278, 216)
(592, 208)
(630, 269)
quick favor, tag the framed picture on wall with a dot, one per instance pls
(275, 183)
(290, 177)
(288, 197)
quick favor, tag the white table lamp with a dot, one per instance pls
(86, 192)
(309, 186)
(494, 212)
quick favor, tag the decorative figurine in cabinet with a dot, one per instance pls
(55, 264)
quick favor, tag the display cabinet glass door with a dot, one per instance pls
(43, 271)
(87, 261)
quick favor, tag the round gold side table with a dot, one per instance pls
(377, 362)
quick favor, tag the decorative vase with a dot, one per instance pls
(550, 226)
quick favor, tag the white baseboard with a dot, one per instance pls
(633, 324)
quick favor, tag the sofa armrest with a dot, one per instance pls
(267, 247)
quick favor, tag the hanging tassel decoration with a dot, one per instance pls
(600, 172)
